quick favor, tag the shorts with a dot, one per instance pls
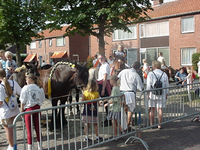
(157, 103)
(7, 122)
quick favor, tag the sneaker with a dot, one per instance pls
(99, 138)
(86, 139)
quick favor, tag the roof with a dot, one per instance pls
(30, 57)
(59, 55)
(175, 8)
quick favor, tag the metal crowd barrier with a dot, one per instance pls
(181, 102)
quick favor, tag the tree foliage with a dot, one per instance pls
(96, 17)
(19, 21)
(195, 60)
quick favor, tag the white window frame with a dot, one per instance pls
(121, 35)
(189, 63)
(155, 29)
(61, 42)
(50, 42)
(32, 45)
(190, 25)
(76, 56)
(40, 43)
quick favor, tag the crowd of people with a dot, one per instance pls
(125, 84)
(31, 97)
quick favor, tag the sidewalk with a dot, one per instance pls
(177, 135)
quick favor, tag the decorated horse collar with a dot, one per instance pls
(60, 63)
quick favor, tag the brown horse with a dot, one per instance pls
(118, 65)
(64, 77)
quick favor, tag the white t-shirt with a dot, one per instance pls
(110, 61)
(162, 60)
(151, 79)
(130, 80)
(104, 69)
(198, 64)
(32, 95)
(5, 111)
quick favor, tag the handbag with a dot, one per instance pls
(11, 101)
(144, 75)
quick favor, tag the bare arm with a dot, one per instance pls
(104, 84)
(22, 107)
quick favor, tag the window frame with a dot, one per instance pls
(189, 48)
(40, 44)
(143, 29)
(116, 33)
(50, 42)
(63, 42)
(31, 45)
(182, 28)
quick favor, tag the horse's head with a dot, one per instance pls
(118, 64)
(32, 68)
(82, 75)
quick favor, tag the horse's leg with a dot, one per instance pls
(70, 101)
(54, 103)
(77, 100)
(64, 121)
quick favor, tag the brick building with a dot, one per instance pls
(174, 29)
(55, 46)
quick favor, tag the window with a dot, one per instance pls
(186, 55)
(187, 24)
(154, 29)
(76, 57)
(40, 43)
(33, 45)
(121, 35)
(151, 54)
(50, 42)
(60, 41)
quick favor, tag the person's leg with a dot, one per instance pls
(151, 115)
(114, 127)
(37, 126)
(96, 129)
(129, 118)
(27, 119)
(159, 111)
(9, 135)
(86, 129)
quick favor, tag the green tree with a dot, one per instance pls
(96, 17)
(19, 22)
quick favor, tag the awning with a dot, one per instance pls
(59, 55)
(30, 57)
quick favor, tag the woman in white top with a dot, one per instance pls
(8, 88)
(198, 64)
(32, 96)
(145, 70)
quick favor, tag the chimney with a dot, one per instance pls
(157, 2)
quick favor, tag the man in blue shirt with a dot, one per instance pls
(180, 77)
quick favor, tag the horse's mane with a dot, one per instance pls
(119, 57)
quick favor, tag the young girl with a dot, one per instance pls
(145, 70)
(7, 89)
(31, 97)
(114, 105)
(2, 59)
(90, 109)
(10, 64)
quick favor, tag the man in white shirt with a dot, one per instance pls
(130, 81)
(158, 101)
(103, 82)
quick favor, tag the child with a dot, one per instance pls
(189, 77)
(2, 59)
(90, 109)
(10, 64)
(114, 105)
(31, 97)
(7, 89)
